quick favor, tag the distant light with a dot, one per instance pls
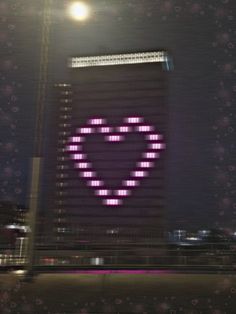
(19, 272)
(193, 239)
(18, 227)
(97, 261)
(11, 227)
(78, 11)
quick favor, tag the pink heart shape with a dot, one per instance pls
(115, 197)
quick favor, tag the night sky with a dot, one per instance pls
(200, 36)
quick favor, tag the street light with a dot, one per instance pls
(78, 11)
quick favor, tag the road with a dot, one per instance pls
(119, 292)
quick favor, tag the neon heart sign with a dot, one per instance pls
(75, 147)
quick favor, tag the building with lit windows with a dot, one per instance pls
(104, 174)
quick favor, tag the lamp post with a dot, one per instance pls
(78, 11)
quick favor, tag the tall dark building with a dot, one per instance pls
(104, 166)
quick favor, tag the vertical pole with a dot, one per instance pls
(37, 157)
(33, 205)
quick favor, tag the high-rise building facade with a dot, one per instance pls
(104, 166)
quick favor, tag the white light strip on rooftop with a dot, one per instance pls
(129, 58)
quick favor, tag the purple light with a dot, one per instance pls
(139, 174)
(156, 146)
(85, 130)
(133, 120)
(105, 129)
(112, 202)
(122, 192)
(114, 138)
(78, 156)
(83, 165)
(151, 155)
(130, 183)
(125, 129)
(88, 174)
(72, 148)
(154, 137)
(96, 121)
(115, 134)
(145, 164)
(76, 139)
(95, 183)
(144, 128)
(103, 192)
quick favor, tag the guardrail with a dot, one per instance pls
(221, 254)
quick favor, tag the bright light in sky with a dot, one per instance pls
(79, 11)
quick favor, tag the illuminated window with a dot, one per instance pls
(114, 138)
(95, 183)
(112, 202)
